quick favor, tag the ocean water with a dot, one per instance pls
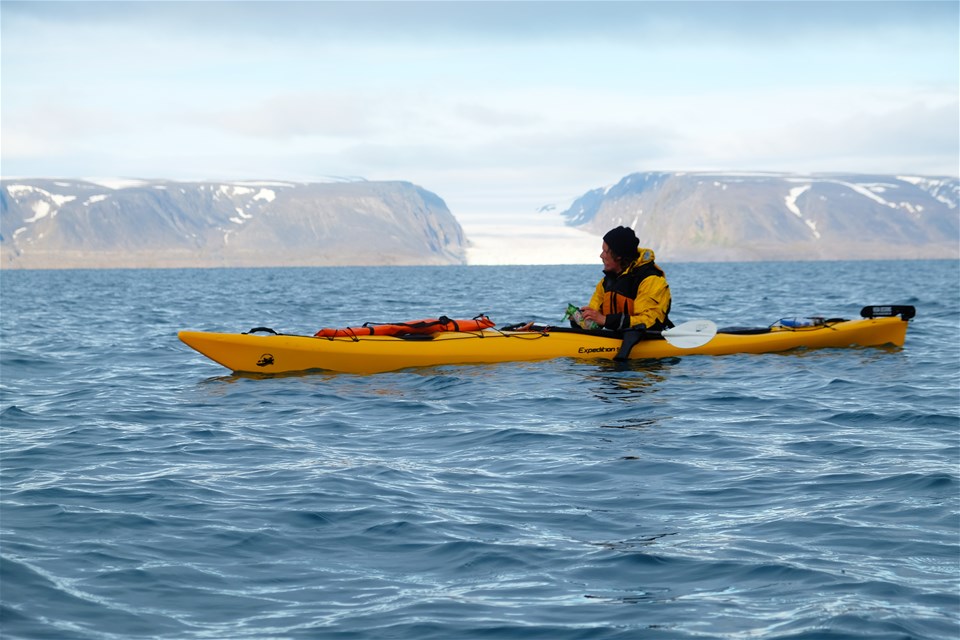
(149, 493)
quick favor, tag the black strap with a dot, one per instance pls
(904, 311)
(264, 329)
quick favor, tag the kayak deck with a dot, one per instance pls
(279, 353)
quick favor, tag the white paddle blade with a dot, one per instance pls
(688, 335)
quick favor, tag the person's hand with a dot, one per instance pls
(593, 314)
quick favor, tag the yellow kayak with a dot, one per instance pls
(278, 353)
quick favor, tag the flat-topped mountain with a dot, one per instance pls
(46, 223)
(701, 216)
(761, 216)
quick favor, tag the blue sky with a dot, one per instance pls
(498, 107)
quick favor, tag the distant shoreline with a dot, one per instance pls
(662, 262)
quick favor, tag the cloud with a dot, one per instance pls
(470, 22)
(490, 104)
(913, 130)
(52, 129)
(486, 116)
(318, 113)
(917, 136)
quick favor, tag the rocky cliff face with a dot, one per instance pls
(86, 224)
(730, 216)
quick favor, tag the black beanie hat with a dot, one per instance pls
(623, 242)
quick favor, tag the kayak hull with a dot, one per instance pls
(270, 354)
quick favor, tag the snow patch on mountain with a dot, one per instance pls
(266, 183)
(47, 205)
(41, 209)
(244, 216)
(936, 188)
(864, 190)
(791, 199)
(19, 191)
(266, 195)
(117, 183)
(230, 190)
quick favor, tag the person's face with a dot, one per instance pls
(609, 259)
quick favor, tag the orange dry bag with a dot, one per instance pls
(430, 325)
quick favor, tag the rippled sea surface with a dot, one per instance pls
(149, 493)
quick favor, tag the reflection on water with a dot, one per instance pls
(633, 423)
(618, 381)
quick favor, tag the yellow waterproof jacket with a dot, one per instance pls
(638, 295)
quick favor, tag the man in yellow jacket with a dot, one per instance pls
(633, 292)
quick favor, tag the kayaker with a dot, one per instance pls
(633, 292)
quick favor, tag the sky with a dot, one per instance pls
(500, 108)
